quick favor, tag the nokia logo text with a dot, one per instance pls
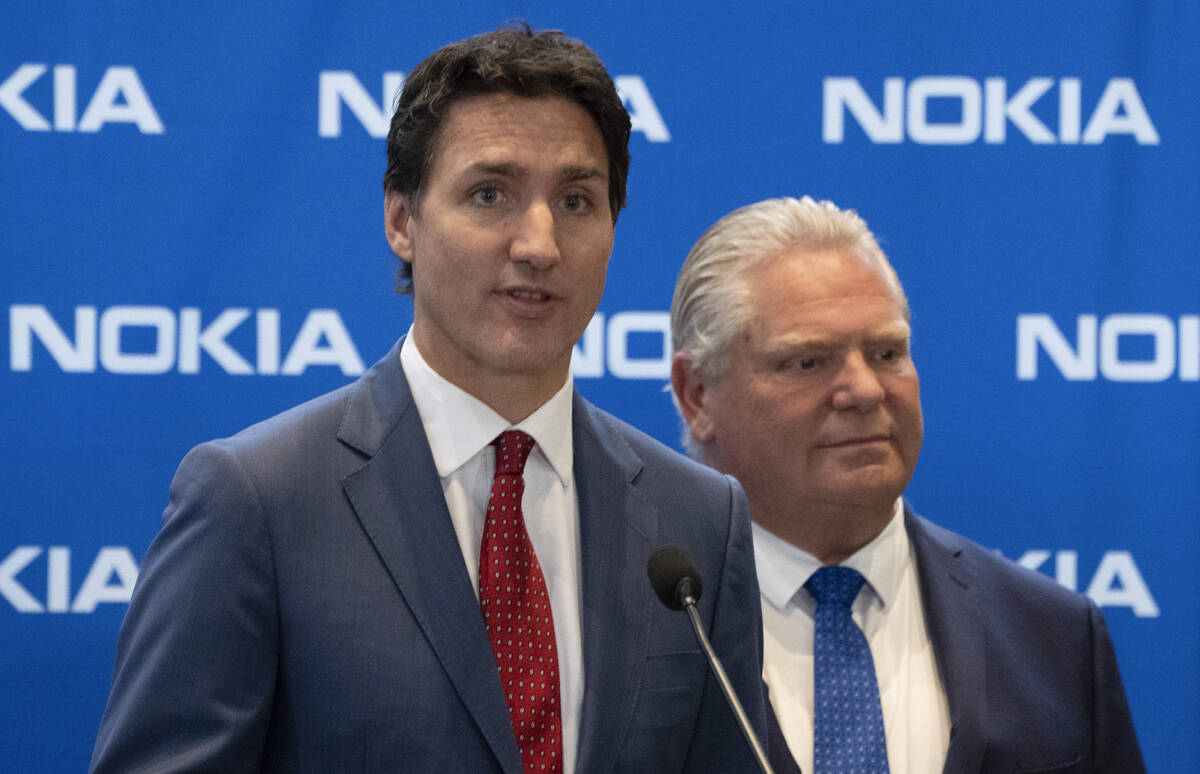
(1117, 582)
(336, 88)
(984, 110)
(110, 578)
(178, 339)
(1168, 347)
(636, 345)
(120, 98)
(156, 340)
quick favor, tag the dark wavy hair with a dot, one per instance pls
(511, 60)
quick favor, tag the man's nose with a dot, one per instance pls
(857, 385)
(534, 242)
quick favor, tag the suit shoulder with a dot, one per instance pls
(292, 450)
(660, 459)
(992, 570)
(319, 415)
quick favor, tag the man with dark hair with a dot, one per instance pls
(441, 567)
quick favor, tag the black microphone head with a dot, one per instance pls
(673, 576)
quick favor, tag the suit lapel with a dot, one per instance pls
(616, 529)
(398, 499)
(954, 615)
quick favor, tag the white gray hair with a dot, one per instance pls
(712, 304)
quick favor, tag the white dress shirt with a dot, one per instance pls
(461, 429)
(916, 716)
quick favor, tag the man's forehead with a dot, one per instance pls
(485, 128)
(800, 275)
(820, 263)
(793, 311)
(836, 336)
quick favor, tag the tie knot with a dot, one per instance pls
(835, 585)
(512, 449)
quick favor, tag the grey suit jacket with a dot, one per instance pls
(306, 607)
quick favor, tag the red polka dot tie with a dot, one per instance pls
(516, 612)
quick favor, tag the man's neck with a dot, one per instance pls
(513, 395)
(512, 398)
(830, 532)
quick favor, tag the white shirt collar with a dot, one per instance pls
(783, 568)
(459, 425)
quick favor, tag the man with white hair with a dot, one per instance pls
(891, 644)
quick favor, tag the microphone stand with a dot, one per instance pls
(689, 604)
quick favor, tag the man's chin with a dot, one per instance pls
(877, 486)
(531, 360)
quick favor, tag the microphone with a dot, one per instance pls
(676, 581)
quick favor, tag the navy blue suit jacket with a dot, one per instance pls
(1028, 667)
(306, 607)
(1029, 670)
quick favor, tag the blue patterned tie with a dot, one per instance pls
(848, 733)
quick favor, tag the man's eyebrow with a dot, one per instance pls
(572, 174)
(508, 169)
(795, 341)
(798, 341)
(897, 331)
(498, 168)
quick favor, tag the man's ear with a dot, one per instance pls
(689, 394)
(397, 222)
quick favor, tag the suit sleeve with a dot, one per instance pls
(1117, 750)
(196, 658)
(736, 634)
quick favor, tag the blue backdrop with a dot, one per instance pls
(191, 231)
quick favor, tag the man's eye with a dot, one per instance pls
(891, 355)
(575, 202)
(800, 364)
(486, 195)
